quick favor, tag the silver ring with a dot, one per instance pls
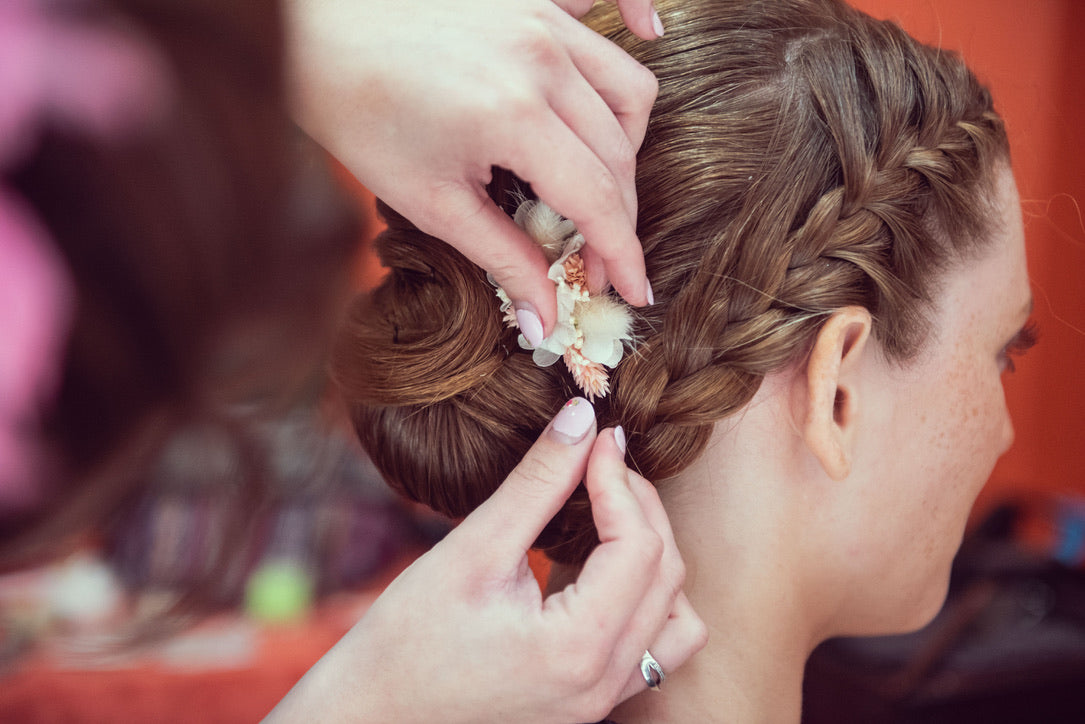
(651, 671)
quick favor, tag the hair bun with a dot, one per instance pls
(441, 396)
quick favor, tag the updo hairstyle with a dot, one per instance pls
(801, 157)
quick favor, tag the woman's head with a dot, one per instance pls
(801, 159)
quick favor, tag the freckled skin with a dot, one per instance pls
(939, 425)
(783, 551)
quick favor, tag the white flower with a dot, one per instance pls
(591, 331)
(604, 325)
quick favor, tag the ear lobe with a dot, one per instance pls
(832, 395)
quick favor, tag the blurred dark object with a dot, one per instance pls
(1008, 646)
(320, 507)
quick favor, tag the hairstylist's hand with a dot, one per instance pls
(464, 635)
(420, 100)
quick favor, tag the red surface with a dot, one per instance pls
(37, 692)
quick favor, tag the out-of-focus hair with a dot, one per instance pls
(209, 253)
(801, 157)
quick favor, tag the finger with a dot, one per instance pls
(627, 87)
(683, 635)
(566, 174)
(512, 518)
(660, 596)
(589, 117)
(595, 270)
(639, 15)
(619, 571)
(576, 8)
(656, 515)
(486, 235)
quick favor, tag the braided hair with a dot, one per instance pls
(801, 157)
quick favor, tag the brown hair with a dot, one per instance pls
(209, 254)
(801, 157)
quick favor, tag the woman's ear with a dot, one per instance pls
(832, 391)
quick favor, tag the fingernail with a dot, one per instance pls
(648, 292)
(619, 438)
(530, 324)
(657, 24)
(574, 421)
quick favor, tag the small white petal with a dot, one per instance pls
(544, 357)
(505, 301)
(598, 349)
(562, 336)
(615, 355)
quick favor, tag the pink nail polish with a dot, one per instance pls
(648, 292)
(530, 325)
(619, 438)
(657, 24)
(574, 421)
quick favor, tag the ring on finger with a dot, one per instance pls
(651, 671)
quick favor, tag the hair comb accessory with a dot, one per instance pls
(592, 328)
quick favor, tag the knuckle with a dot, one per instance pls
(625, 158)
(645, 84)
(506, 271)
(699, 634)
(491, 100)
(520, 106)
(585, 663)
(537, 472)
(599, 703)
(577, 8)
(607, 194)
(673, 565)
(538, 44)
(652, 548)
(677, 569)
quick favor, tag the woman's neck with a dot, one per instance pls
(751, 670)
(739, 523)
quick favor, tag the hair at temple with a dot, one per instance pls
(801, 157)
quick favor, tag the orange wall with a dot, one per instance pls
(1031, 54)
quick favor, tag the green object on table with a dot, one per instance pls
(278, 592)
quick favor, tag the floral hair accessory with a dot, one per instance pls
(592, 329)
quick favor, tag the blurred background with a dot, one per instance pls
(1010, 645)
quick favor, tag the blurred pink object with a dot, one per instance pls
(83, 76)
(35, 301)
(87, 77)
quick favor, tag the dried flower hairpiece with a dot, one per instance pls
(591, 329)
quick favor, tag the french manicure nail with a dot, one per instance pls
(574, 421)
(530, 325)
(657, 24)
(619, 438)
(648, 292)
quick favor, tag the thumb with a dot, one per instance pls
(512, 518)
